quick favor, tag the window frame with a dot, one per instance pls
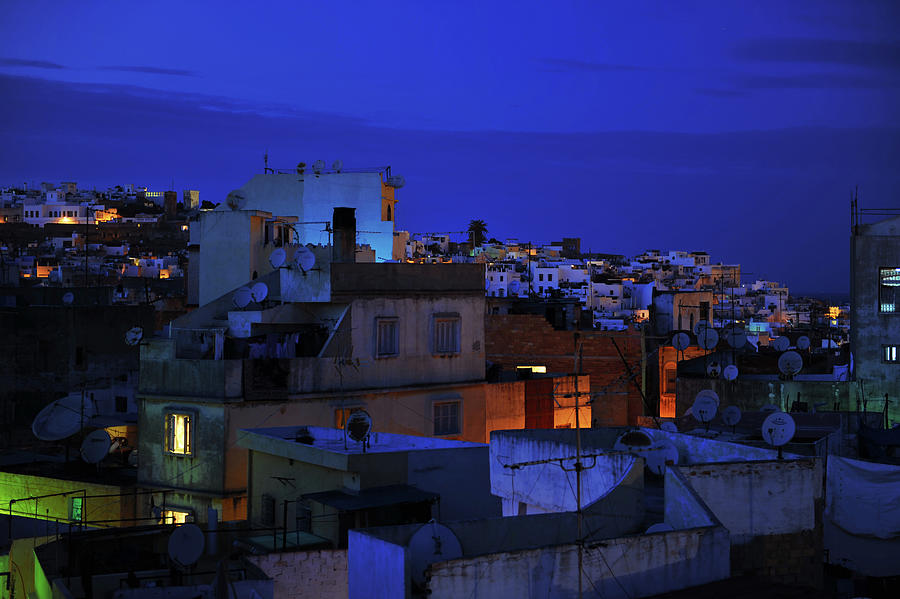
(452, 320)
(385, 321)
(435, 417)
(72, 509)
(171, 511)
(895, 309)
(169, 435)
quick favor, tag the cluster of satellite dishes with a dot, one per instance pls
(257, 292)
(304, 260)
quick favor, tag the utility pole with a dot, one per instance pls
(578, 353)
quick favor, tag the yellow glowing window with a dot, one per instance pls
(533, 369)
(176, 517)
(179, 431)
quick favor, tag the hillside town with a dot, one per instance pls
(281, 393)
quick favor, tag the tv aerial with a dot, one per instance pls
(778, 429)
(259, 291)
(277, 258)
(304, 259)
(708, 338)
(432, 542)
(134, 335)
(681, 341)
(337, 166)
(95, 446)
(242, 298)
(236, 200)
(803, 342)
(68, 297)
(186, 545)
(790, 363)
(358, 427)
(781, 343)
(731, 416)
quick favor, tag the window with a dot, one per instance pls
(540, 276)
(76, 508)
(179, 433)
(671, 376)
(177, 517)
(888, 290)
(267, 510)
(501, 278)
(446, 418)
(889, 353)
(121, 404)
(386, 337)
(446, 334)
(549, 277)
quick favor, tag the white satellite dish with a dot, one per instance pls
(95, 446)
(304, 258)
(710, 394)
(736, 337)
(236, 200)
(318, 166)
(134, 335)
(681, 341)
(790, 362)
(700, 326)
(781, 343)
(713, 370)
(337, 166)
(277, 258)
(659, 527)
(433, 542)
(704, 408)
(708, 338)
(358, 426)
(803, 342)
(62, 418)
(396, 181)
(778, 429)
(514, 287)
(668, 426)
(186, 544)
(68, 297)
(730, 372)
(259, 291)
(660, 454)
(731, 415)
(769, 407)
(242, 297)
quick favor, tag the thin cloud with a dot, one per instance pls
(720, 93)
(825, 51)
(36, 64)
(814, 81)
(152, 70)
(561, 65)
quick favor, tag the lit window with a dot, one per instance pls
(176, 517)
(889, 353)
(76, 508)
(446, 334)
(446, 418)
(387, 342)
(179, 431)
(888, 290)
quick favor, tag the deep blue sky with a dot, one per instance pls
(736, 128)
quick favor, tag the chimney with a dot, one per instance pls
(343, 248)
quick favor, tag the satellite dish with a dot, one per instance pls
(318, 166)
(301, 166)
(186, 544)
(708, 338)
(62, 418)
(710, 394)
(660, 454)
(134, 335)
(304, 258)
(236, 200)
(259, 291)
(803, 342)
(769, 407)
(514, 287)
(659, 527)
(781, 343)
(669, 427)
(242, 297)
(736, 337)
(730, 372)
(701, 326)
(704, 408)
(633, 441)
(432, 543)
(681, 341)
(778, 429)
(95, 446)
(396, 181)
(731, 415)
(337, 166)
(713, 370)
(68, 297)
(277, 258)
(790, 362)
(359, 425)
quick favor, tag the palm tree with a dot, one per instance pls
(477, 230)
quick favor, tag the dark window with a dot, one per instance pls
(888, 290)
(446, 418)
(386, 337)
(121, 404)
(446, 335)
(671, 376)
(267, 511)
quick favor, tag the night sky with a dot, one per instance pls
(735, 128)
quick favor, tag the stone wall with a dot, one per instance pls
(318, 574)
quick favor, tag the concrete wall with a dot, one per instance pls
(872, 247)
(306, 574)
(376, 568)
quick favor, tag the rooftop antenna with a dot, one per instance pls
(731, 416)
(242, 297)
(277, 258)
(358, 427)
(790, 363)
(95, 446)
(266, 161)
(186, 545)
(778, 429)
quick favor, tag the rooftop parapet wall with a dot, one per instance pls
(404, 279)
